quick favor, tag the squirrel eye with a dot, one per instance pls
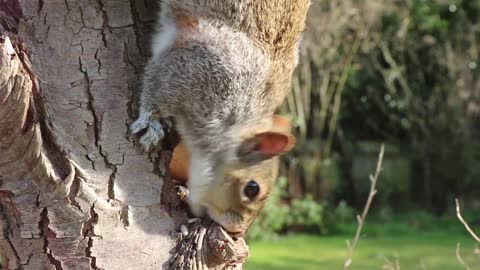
(251, 190)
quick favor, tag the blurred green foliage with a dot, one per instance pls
(421, 78)
(401, 72)
(298, 215)
(281, 216)
(307, 215)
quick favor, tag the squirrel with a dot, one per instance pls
(236, 200)
(220, 69)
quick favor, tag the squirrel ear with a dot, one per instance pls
(274, 143)
(262, 146)
(281, 127)
(268, 144)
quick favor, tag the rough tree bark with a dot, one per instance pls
(75, 192)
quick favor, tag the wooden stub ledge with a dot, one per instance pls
(208, 246)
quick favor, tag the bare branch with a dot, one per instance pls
(389, 265)
(397, 262)
(423, 265)
(460, 258)
(361, 219)
(469, 230)
(205, 245)
(459, 216)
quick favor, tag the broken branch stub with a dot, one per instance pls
(208, 246)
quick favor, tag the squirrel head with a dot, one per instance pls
(238, 191)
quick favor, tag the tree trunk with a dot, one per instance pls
(75, 192)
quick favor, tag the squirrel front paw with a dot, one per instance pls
(154, 131)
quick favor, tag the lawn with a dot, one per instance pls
(436, 250)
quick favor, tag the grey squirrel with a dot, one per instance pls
(220, 69)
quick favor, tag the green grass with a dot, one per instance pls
(435, 249)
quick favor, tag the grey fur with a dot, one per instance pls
(221, 79)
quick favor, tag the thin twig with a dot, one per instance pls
(459, 216)
(397, 262)
(388, 264)
(423, 265)
(460, 258)
(469, 230)
(361, 219)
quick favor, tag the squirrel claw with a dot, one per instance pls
(154, 131)
(153, 136)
